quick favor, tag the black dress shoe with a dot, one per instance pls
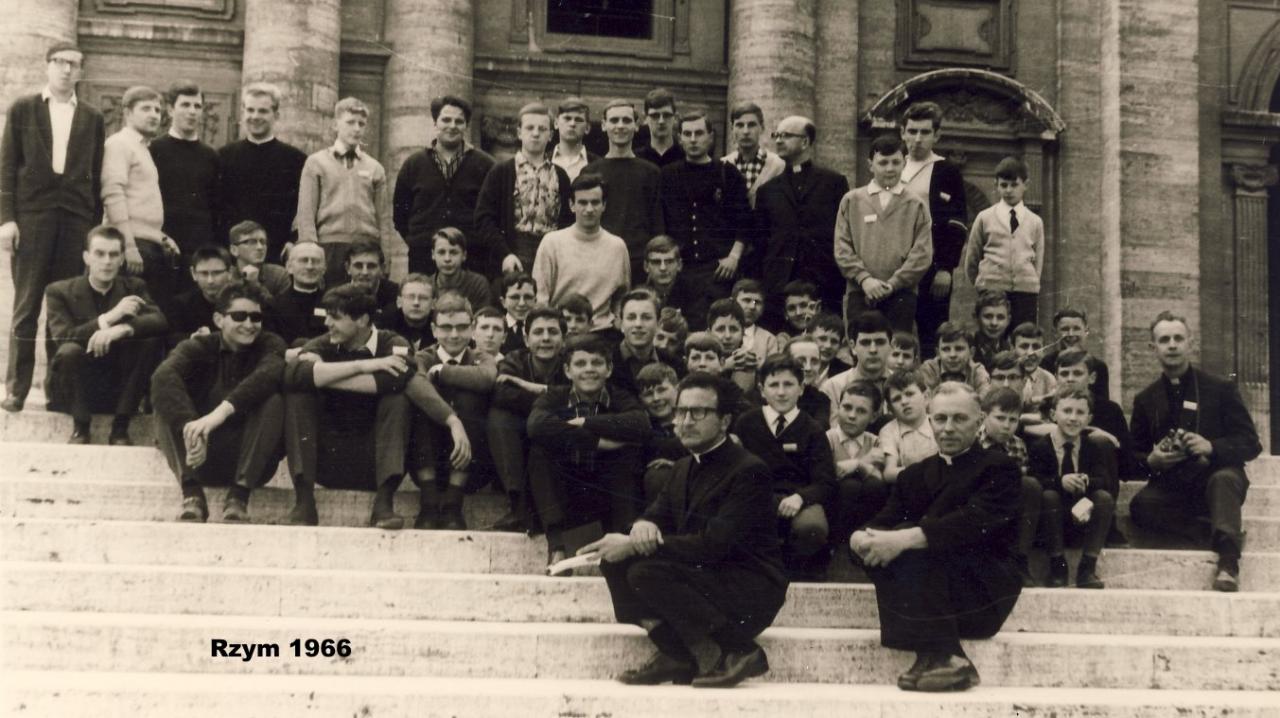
(1087, 576)
(953, 673)
(1227, 579)
(924, 661)
(428, 519)
(303, 513)
(119, 437)
(735, 668)
(194, 510)
(384, 517)
(12, 404)
(1057, 572)
(451, 518)
(79, 435)
(660, 669)
(234, 511)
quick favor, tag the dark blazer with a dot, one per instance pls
(971, 506)
(719, 514)
(798, 228)
(73, 315)
(425, 201)
(1097, 459)
(495, 218)
(27, 181)
(950, 215)
(1220, 417)
(799, 461)
(519, 363)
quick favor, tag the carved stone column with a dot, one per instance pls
(294, 45)
(31, 26)
(773, 57)
(836, 85)
(1252, 350)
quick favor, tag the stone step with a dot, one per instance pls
(362, 549)
(71, 694)
(37, 640)
(413, 595)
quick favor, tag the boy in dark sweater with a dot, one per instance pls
(411, 317)
(192, 311)
(449, 252)
(794, 447)
(188, 170)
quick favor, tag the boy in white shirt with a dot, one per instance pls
(909, 437)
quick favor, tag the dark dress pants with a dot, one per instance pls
(899, 307)
(244, 451)
(1022, 308)
(930, 314)
(928, 601)
(729, 604)
(160, 274)
(82, 384)
(49, 249)
(1174, 507)
(509, 444)
(604, 487)
(704, 289)
(857, 502)
(323, 449)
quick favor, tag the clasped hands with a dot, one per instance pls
(879, 547)
(876, 289)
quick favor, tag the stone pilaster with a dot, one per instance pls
(31, 26)
(434, 53)
(1252, 292)
(294, 44)
(837, 84)
(773, 57)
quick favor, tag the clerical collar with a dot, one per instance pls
(697, 458)
(1181, 380)
(801, 167)
(950, 460)
(254, 141)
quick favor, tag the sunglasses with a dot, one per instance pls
(241, 316)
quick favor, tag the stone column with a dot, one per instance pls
(31, 26)
(294, 45)
(433, 54)
(773, 57)
(1252, 292)
(836, 85)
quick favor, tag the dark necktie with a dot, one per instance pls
(1068, 462)
(452, 362)
(1013, 221)
(779, 425)
(520, 329)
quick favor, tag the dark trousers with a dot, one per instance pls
(342, 460)
(420, 260)
(430, 445)
(729, 605)
(1032, 505)
(1059, 526)
(1022, 308)
(509, 445)
(930, 314)
(1174, 507)
(160, 274)
(49, 249)
(700, 277)
(805, 533)
(899, 308)
(335, 263)
(857, 502)
(244, 451)
(604, 487)
(82, 384)
(929, 600)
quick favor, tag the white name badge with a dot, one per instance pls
(319, 312)
(869, 218)
(945, 197)
(1190, 405)
(400, 351)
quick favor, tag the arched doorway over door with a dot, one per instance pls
(987, 117)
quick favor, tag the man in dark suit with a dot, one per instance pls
(50, 197)
(109, 336)
(1192, 436)
(939, 183)
(701, 570)
(941, 552)
(796, 213)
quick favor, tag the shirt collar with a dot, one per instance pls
(629, 352)
(260, 142)
(874, 187)
(1182, 380)
(698, 458)
(1059, 440)
(581, 154)
(522, 160)
(372, 344)
(47, 96)
(771, 416)
(802, 166)
(950, 460)
(1003, 207)
(574, 399)
(446, 356)
(341, 148)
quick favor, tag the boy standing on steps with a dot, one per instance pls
(1006, 245)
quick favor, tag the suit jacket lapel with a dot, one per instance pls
(705, 485)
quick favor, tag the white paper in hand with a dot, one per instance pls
(568, 564)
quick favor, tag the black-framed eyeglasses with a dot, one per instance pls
(242, 316)
(697, 413)
(786, 135)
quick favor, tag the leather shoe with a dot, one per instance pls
(194, 510)
(234, 511)
(384, 514)
(953, 673)
(1116, 538)
(735, 668)
(452, 518)
(924, 661)
(303, 513)
(12, 404)
(1088, 578)
(660, 669)
(508, 522)
(428, 519)
(1057, 573)
(119, 437)
(79, 435)
(1227, 581)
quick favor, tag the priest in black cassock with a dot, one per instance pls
(941, 552)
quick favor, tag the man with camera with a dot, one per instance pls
(1192, 436)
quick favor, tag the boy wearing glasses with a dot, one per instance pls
(193, 310)
(217, 398)
(249, 249)
(661, 117)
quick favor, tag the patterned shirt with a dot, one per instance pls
(909, 445)
(537, 196)
(750, 167)
(1015, 448)
(448, 166)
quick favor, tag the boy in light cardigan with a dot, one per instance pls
(1006, 245)
(884, 240)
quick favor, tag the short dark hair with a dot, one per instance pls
(954, 332)
(240, 290)
(542, 311)
(452, 235)
(990, 298)
(1011, 168)
(747, 284)
(620, 103)
(489, 312)
(641, 295)
(870, 322)
(654, 374)
(866, 389)
(182, 88)
(105, 231)
(205, 252)
(661, 244)
(515, 279)
(709, 382)
(778, 364)
(725, 308)
(573, 104)
(830, 322)
(1005, 361)
(366, 246)
(930, 111)
(800, 288)
(694, 117)
(1002, 398)
(58, 47)
(586, 181)
(1071, 357)
(443, 101)
(1168, 316)
(1027, 330)
(452, 302)
(139, 93)
(349, 300)
(534, 108)
(243, 229)
(905, 340)
(746, 108)
(1073, 392)
(588, 343)
(659, 97)
(901, 380)
(671, 320)
(887, 144)
(703, 342)
(418, 278)
(1072, 312)
(574, 303)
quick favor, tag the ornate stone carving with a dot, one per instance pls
(220, 116)
(1254, 178)
(970, 96)
(218, 9)
(933, 33)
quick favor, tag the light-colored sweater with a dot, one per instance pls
(337, 203)
(595, 266)
(893, 244)
(995, 258)
(131, 187)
